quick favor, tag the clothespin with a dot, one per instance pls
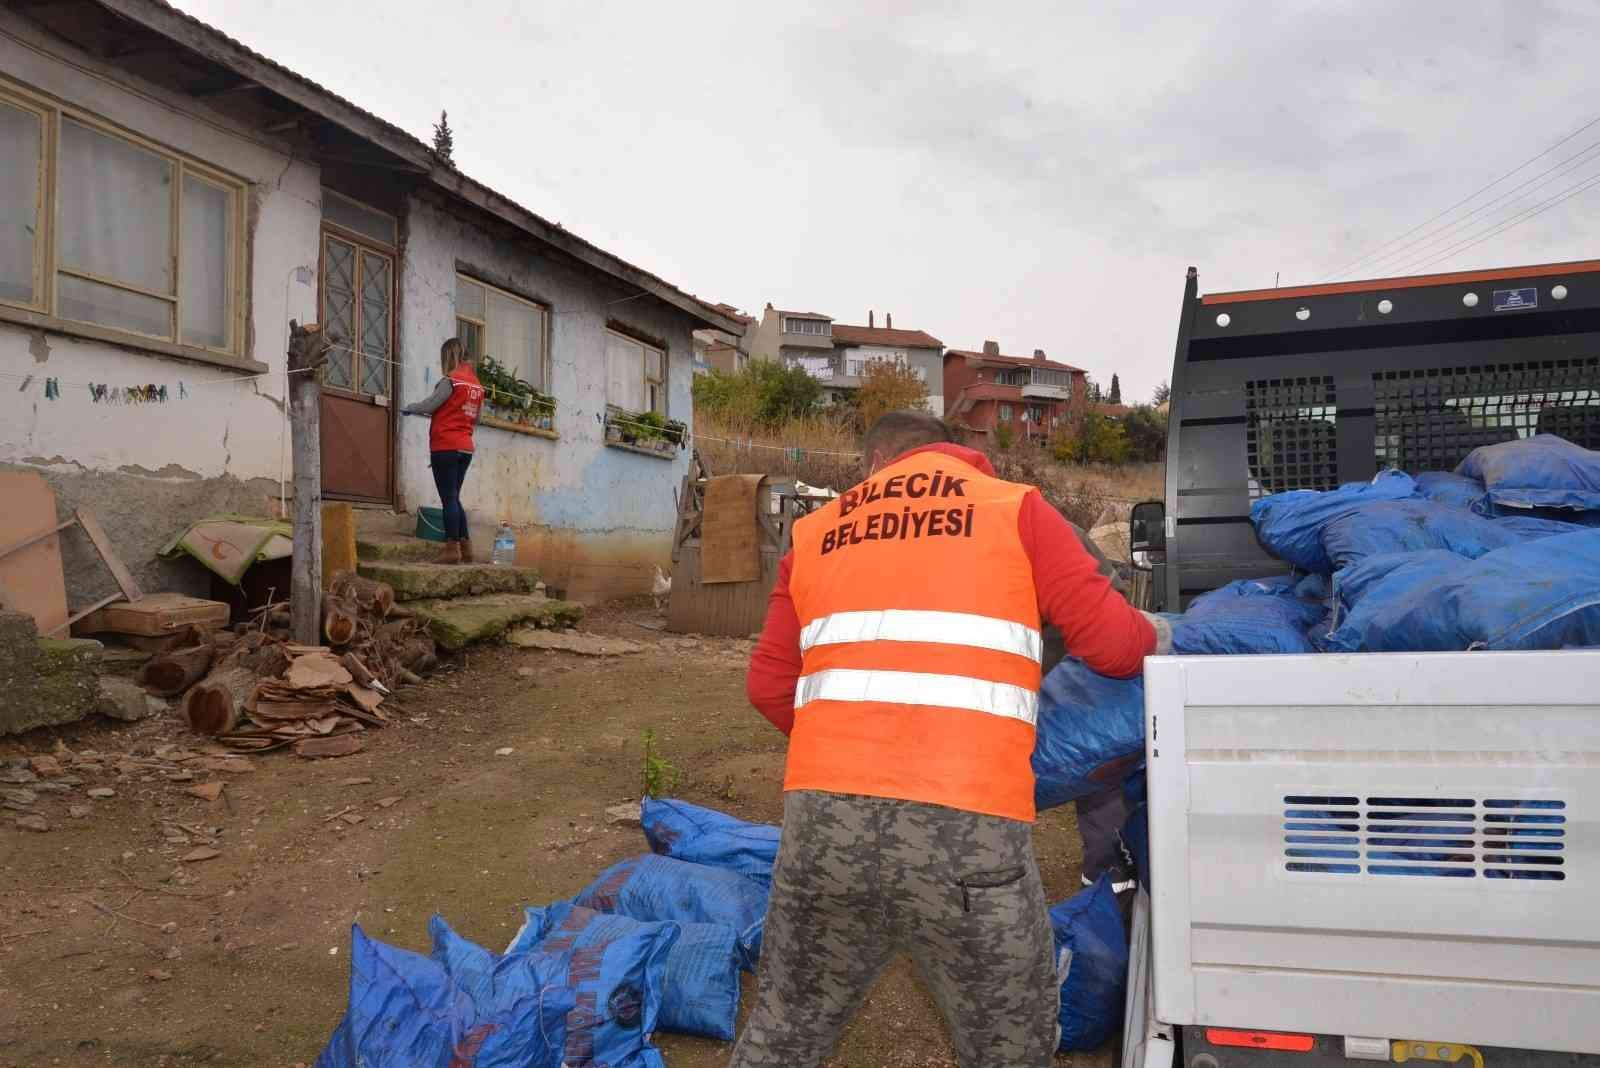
(52, 389)
(26, 382)
(162, 395)
(182, 392)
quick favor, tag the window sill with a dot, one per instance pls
(518, 428)
(642, 451)
(132, 342)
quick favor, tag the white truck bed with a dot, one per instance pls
(1393, 846)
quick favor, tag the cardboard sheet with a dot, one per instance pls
(730, 533)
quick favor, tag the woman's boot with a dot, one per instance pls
(449, 553)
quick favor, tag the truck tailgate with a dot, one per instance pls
(1402, 846)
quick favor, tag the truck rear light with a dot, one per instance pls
(1273, 1040)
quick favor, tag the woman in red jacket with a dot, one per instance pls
(453, 408)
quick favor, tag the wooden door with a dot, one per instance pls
(357, 287)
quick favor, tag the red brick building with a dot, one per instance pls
(1030, 394)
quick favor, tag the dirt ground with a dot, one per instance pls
(114, 951)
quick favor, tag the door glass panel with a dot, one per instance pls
(338, 310)
(19, 201)
(375, 312)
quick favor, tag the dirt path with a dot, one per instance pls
(113, 951)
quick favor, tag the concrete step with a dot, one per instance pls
(416, 581)
(465, 620)
(391, 547)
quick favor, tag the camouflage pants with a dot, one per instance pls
(859, 879)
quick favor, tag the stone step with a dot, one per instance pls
(418, 581)
(463, 621)
(391, 547)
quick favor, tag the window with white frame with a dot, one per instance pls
(792, 325)
(113, 230)
(636, 374)
(1005, 413)
(492, 322)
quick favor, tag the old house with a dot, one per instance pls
(169, 200)
(1030, 395)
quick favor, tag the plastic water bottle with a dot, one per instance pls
(505, 547)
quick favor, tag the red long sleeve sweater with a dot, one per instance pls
(1096, 623)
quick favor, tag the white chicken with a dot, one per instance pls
(660, 588)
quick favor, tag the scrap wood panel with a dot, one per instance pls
(730, 609)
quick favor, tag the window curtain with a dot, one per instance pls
(19, 201)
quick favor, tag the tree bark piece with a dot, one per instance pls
(309, 346)
(169, 674)
(214, 705)
(372, 596)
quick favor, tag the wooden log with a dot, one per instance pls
(372, 596)
(359, 671)
(309, 346)
(215, 704)
(339, 620)
(169, 674)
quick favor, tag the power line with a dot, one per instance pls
(1465, 200)
(1445, 232)
(1538, 209)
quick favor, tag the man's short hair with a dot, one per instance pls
(902, 431)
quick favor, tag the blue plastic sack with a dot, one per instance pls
(700, 988)
(706, 836)
(1544, 471)
(1289, 525)
(1091, 965)
(1529, 526)
(1247, 616)
(1542, 594)
(661, 889)
(1135, 833)
(1457, 491)
(1411, 526)
(1090, 733)
(468, 1006)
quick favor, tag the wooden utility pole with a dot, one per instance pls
(308, 350)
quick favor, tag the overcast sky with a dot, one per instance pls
(1021, 171)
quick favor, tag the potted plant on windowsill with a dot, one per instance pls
(651, 431)
(513, 400)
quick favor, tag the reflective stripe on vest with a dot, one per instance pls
(938, 628)
(919, 688)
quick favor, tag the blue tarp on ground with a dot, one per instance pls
(700, 988)
(1090, 733)
(1289, 525)
(469, 1008)
(656, 888)
(1544, 471)
(1542, 594)
(1411, 526)
(1091, 964)
(706, 836)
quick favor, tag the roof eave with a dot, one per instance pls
(173, 24)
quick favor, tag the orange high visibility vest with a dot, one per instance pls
(920, 638)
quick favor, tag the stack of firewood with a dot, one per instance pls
(254, 690)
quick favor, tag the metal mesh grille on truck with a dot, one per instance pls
(1290, 440)
(1429, 420)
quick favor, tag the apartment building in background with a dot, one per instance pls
(724, 350)
(838, 354)
(1030, 394)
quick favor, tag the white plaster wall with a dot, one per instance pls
(232, 428)
(586, 504)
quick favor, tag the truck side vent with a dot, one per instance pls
(1427, 837)
(1289, 438)
(1429, 420)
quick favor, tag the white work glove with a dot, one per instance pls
(1163, 633)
